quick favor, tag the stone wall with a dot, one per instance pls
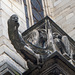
(63, 13)
(7, 52)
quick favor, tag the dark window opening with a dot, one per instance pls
(37, 10)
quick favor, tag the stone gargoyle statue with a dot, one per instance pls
(17, 40)
(27, 48)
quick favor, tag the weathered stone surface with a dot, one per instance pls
(69, 16)
(13, 55)
(8, 3)
(63, 12)
(5, 41)
(58, 18)
(57, 2)
(66, 9)
(4, 62)
(72, 32)
(4, 7)
(53, 65)
(18, 4)
(66, 56)
(1, 32)
(73, 37)
(7, 8)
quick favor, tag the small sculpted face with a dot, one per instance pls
(13, 21)
(14, 18)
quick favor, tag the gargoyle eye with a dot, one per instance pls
(14, 18)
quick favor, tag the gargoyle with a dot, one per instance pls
(17, 41)
(26, 46)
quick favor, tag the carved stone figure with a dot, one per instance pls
(34, 37)
(37, 41)
(62, 43)
(57, 39)
(42, 38)
(30, 47)
(18, 42)
(14, 36)
(66, 44)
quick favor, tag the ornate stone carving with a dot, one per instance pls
(17, 41)
(56, 71)
(39, 43)
(14, 36)
(62, 43)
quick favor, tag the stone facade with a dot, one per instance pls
(63, 13)
(7, 52)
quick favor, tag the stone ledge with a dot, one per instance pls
(15, 56)
(66, 56)
(5, 72)
(10, 64)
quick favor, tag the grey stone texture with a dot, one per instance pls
(64, 15)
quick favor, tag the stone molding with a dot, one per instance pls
(7, 64)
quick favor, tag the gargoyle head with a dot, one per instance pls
(13, 22)
(14, 18)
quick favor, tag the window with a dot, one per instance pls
(37, 10)
(26, 14)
